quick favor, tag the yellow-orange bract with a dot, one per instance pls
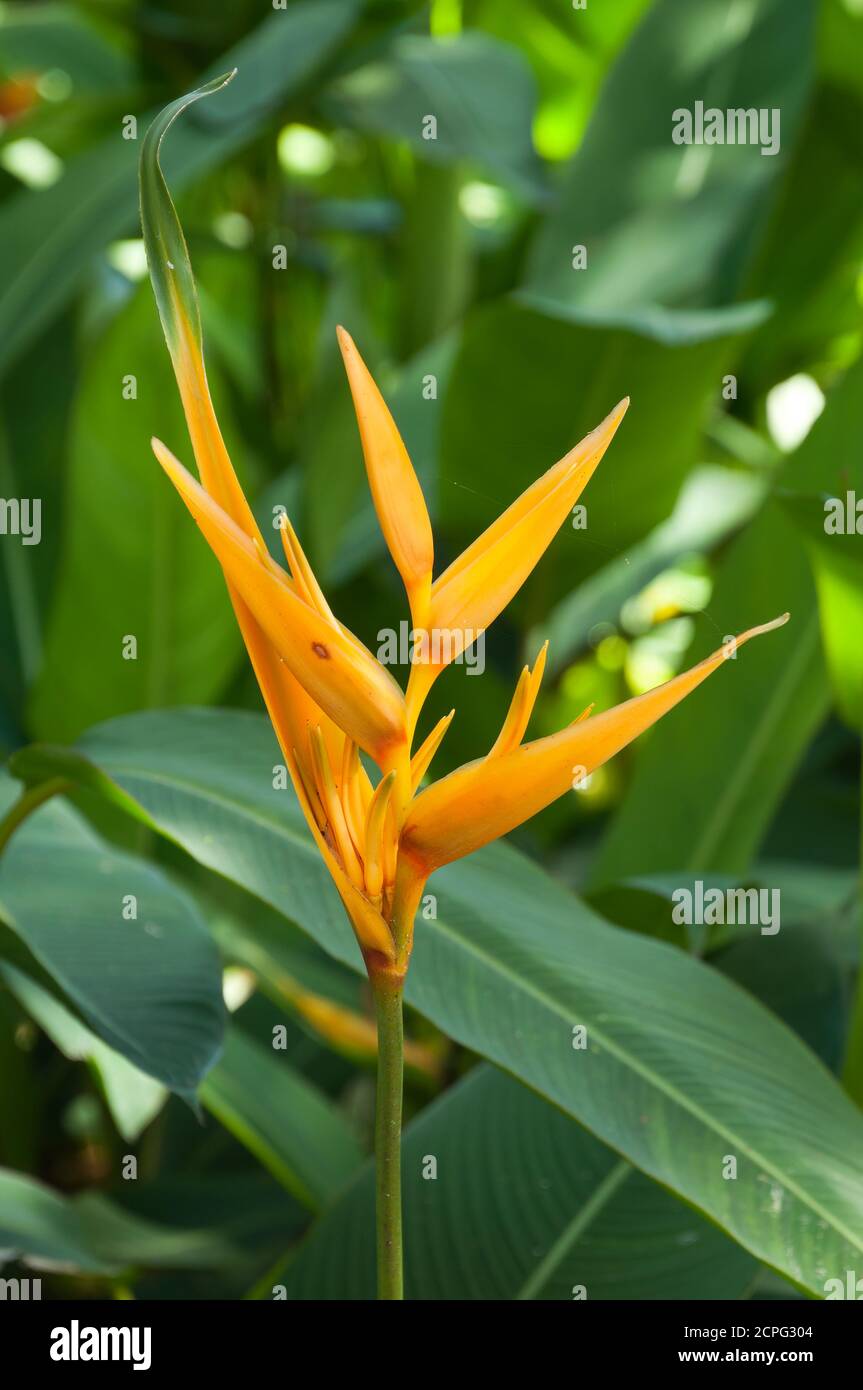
(328, 696)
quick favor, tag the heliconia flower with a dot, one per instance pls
(328, 697)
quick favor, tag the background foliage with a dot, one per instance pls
(449, 259)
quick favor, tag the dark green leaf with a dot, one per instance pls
(295, 1132)
(505, 1198)
(149, 985)
(681, 1069)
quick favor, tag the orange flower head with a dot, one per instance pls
(329, 698)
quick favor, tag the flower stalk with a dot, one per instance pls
(388, 990)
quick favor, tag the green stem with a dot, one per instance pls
(27, 803)
(853, 1070)
(388, 1133)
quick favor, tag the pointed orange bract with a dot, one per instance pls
(486, 799)
(395, 488)
(340, 675)
(468, 596)
(485, 577)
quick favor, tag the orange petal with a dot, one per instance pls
(373, 856)
(395, 488)
(301, 571)
(521, 707)
(339, 674)
(488, 798)
(423, 756)
(335, 812)
(480, 583)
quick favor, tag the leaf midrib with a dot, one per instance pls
(584, 1217)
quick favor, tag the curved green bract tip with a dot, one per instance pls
(167, 253)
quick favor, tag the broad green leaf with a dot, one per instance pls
(133, 1098)
(148, 985)
(714, 503)
(35, 406)
(48, 238)
(837, 567)
(568, 53)
(91, 1234)
(526, 386)
(665, 223)
(248, 1212)
(39, 37)
(132, 569)
(20, 1107)
(479, 92)
(808, 893)
(506, 1198)
(801, 977)
(672, 327)
(284, 1120)
(746, 750)
(823, 486)
(723, 761)
(681, 1069)
(812, 279)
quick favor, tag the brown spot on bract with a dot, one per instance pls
(320, 650)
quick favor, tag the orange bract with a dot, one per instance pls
(328, 695)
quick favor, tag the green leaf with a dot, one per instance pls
(673, 327)
(284, 1120)
(248, 1212)
(35, 407)
(714, 503)
(667, 224)
(823, 486)
(511, 411)
(48, 238)
(167, 253)
(149, 987)
(724, 760)
(521, 1204)
(747, 749)
(837, 566)
(800, 976)
(91, 1234)
(37, 38)
(133, 1098)
(479, 91)
(682, 1068)
(131, 567)
(812, 279)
